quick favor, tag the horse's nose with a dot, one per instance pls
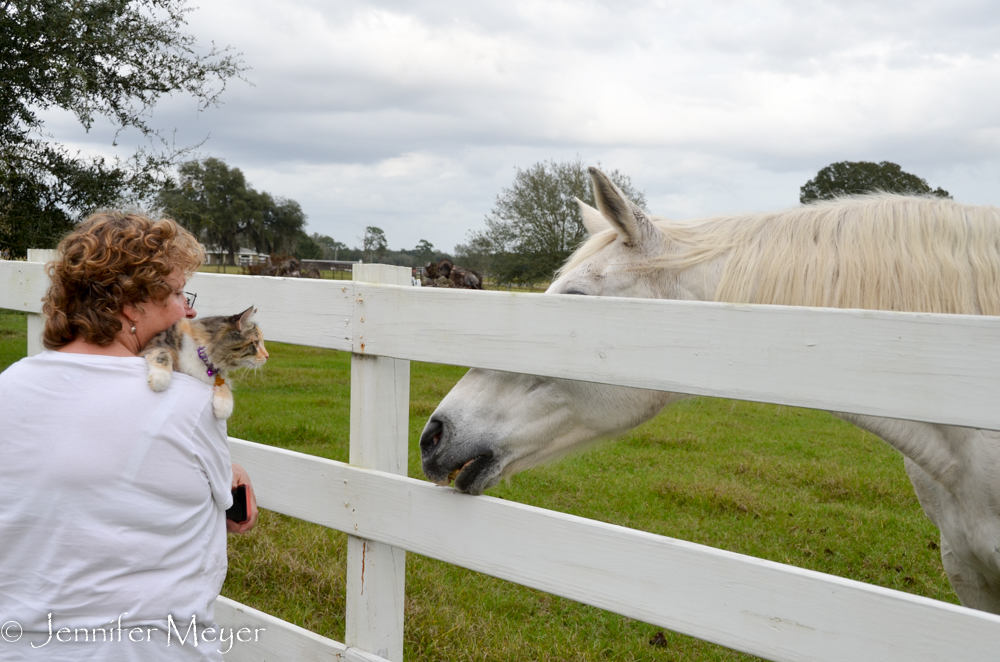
(431, 435)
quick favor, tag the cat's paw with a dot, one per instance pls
(158, 380)
(222, 402)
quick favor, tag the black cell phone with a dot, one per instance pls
(238, 512)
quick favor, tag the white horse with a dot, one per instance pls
(879, 252)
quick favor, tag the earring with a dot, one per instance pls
(132, 330)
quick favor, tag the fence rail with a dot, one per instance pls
(935, 368)
(771, 610)
(918, 366)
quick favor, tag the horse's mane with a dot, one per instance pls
(882, 252)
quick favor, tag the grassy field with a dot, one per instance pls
(779, 483)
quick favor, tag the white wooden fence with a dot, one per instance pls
(936, 368)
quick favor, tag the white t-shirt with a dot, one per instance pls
(112, 510)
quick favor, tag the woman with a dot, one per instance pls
(112, 497)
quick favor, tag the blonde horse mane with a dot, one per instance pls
(880, 252)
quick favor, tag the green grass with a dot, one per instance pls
(779, 483)
(13, 337)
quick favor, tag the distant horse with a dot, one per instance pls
(285, 266)
(880, 252)
(460, 276)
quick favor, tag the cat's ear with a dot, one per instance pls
(244, 317)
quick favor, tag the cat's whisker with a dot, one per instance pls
(256, 373)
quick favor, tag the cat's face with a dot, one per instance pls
(238, 343)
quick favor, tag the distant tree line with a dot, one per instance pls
(373, 250)
(215, 202)
(534, 226)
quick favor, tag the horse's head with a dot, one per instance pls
(495, 424)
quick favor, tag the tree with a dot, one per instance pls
(276, 224)
(331, 247)
(424, 251)
(307, 249)
(99, 58)
(374, 243)
(535, 223)
(474, 255)
(215, 203)
(860, 177)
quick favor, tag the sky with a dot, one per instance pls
(413, 116)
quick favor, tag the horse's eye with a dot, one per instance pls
(575, 291)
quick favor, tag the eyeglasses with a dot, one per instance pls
(190, 297)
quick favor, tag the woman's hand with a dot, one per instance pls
(241, 477)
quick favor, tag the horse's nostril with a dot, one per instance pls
(431, 435)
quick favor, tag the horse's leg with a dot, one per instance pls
(973, 587)
(930, 458)
(939, 502)
(970, 586)
(929, 493)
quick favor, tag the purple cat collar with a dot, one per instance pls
(211, 371)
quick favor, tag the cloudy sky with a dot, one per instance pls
(412, 116)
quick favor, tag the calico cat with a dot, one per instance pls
(207, 349)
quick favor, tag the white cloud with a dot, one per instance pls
(412, 116)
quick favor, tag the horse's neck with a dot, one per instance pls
(695, 283)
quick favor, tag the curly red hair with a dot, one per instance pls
(111, 260)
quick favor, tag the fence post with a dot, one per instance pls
(380, 405)
(36, 321)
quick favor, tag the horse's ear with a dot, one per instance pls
(626, 218)
(593, 220)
